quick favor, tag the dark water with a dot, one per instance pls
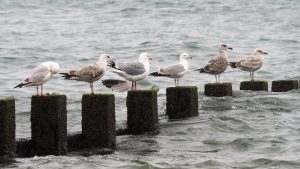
(249, 130)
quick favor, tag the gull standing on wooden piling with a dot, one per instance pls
(133, 71)
(40, 75)
(175, 71)
(218, 65)
(251, 63)
(89, 73)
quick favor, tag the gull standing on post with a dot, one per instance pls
(133, 71)
(218, 65)
(40, 75)
(175, 71)
(89, 73)
(251, 63)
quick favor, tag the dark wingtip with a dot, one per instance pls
(154, 74)
(111, 64)
(201, 70)
(19, 85)
(111, 82)
(232, 64)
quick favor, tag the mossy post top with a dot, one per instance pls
(218, 84)
(142, 91)
(183, 87)
(49, 95)
(6, 99)
(99, 94)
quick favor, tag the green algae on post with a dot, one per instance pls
(284, 85)
(142, 112)
(218, 89)
(182, 102)
(254, 85)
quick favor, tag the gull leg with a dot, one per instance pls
(134, 85)
(41, 89)
(216, 78)
(92, 88)
(177, 81)
(252, 76)
(37, 90)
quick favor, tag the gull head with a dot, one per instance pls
(185, 56)
(259, 51)
(144, 57)
(224, 47)
(52, 66)
(104, 57)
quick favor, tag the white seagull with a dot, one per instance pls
(175, 71)
(218, 65)
(251, 63)
(133, 71)
(40, 75)
(89, 73)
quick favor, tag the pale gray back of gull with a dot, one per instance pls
(89, 73)
(133, 71)
(217, 65)
(175, 71)
(40, 75)
(251, 63)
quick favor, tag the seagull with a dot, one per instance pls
(40, 75)
(89, 73)
(251, 63)
(218, 65)
(175, 71)
(133, 71)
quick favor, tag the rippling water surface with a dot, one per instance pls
(249, 130)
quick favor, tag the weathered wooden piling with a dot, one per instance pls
(218, 89)
(182, 102)
(49, 124)
(284, 85)
(98, 120)
(142, 113)
(25, 148)
(254, 85)
(7, 128)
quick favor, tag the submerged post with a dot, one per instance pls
(182, 102)
(49, 124)
(284, 85)
(218, 89)
(142, 115)
(254, 85)
(98, 120)
(7, 128)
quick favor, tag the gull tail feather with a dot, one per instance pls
(233, 64)
(157, 74)
(201, 70)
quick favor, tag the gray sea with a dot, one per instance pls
(248, 130)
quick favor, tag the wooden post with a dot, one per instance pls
(182, 102)
(218, 89)
(254, 85)
(49, 124)
(7, 128)
(142, 114)
(284, 85)
(98, 120)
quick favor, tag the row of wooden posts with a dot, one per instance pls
(49, 119)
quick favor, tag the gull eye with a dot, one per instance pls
(108, 57)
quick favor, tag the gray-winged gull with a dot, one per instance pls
(133, 71)
(89, 73)
(40, 75)
(251, 63)
(175, 71)
(218, 65)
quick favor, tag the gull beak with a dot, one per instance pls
(230, 48)
(149, 57)
(265, 53)
(190, 57)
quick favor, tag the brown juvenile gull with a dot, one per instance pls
(175, 71)
(251, 63)
(218, 65)
(133, 71)
(89, 73)
(40, 75)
